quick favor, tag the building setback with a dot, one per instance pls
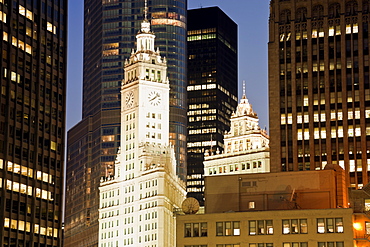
(32, 122)
(212, 88)
(137, 204)
(319, 89)
(109, 37)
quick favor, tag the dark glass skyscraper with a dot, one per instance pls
(212, 87)
(109, 37)
(32, 121)
(319, 89)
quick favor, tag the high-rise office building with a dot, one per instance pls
(141, 197)
(319, 89)
(109, 37)
(212, 87)
(32, 122)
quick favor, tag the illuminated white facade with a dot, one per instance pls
(246, 146)
(137, 204)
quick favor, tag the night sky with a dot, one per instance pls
(252, 19)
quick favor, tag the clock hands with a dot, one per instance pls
(156, 95)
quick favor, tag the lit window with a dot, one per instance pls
(299, 118)
(290, 119)
(2, 17)
(314, 33)
(299, 134)
(5, 36)
(337, 31)
(14, 41)
(355, 28)
(29, 15)
(22, 10)
(305, 101)
(331, 31)
(348, 29)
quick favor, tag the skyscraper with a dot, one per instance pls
(212, 87)
(109, 38)
(319, 89)
(141, 197)
(32, 122)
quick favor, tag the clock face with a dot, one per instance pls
(129, 99)
(154, 98)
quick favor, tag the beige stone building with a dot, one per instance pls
(292, 209)
(282, 228)
(246, 146)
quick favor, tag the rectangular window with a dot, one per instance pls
(252, 227)
(294, 226)
(330, 244)
(219, 229)
(303, 226)
(320, 225)
(330, 225)
(236, 228)
(203, 229)
(187, 230)
(339, 225)
(286, 227)
(296, 244)
(260, 227)
(228, 228)
(195, 229)
(327, 225)
(367, 228)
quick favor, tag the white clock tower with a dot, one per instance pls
(137, 204)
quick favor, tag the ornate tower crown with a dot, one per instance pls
(145, 63)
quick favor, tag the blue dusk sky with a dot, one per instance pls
(252, 19)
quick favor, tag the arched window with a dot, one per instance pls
(301, 15)
(285, 16)
(318, 12)
(351, 8)
(365, 7)
(334, 10)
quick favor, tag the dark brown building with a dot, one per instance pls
(32, 121)
(319, 89)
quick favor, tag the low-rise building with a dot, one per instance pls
(293, 209)
(281, 228)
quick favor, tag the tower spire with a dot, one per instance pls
(146, 10)
(244, 95)
(145, 25)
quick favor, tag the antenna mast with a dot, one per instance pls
(146, 10)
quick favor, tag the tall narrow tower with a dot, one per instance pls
(144, 192)
(319, 88)
(110, 28)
